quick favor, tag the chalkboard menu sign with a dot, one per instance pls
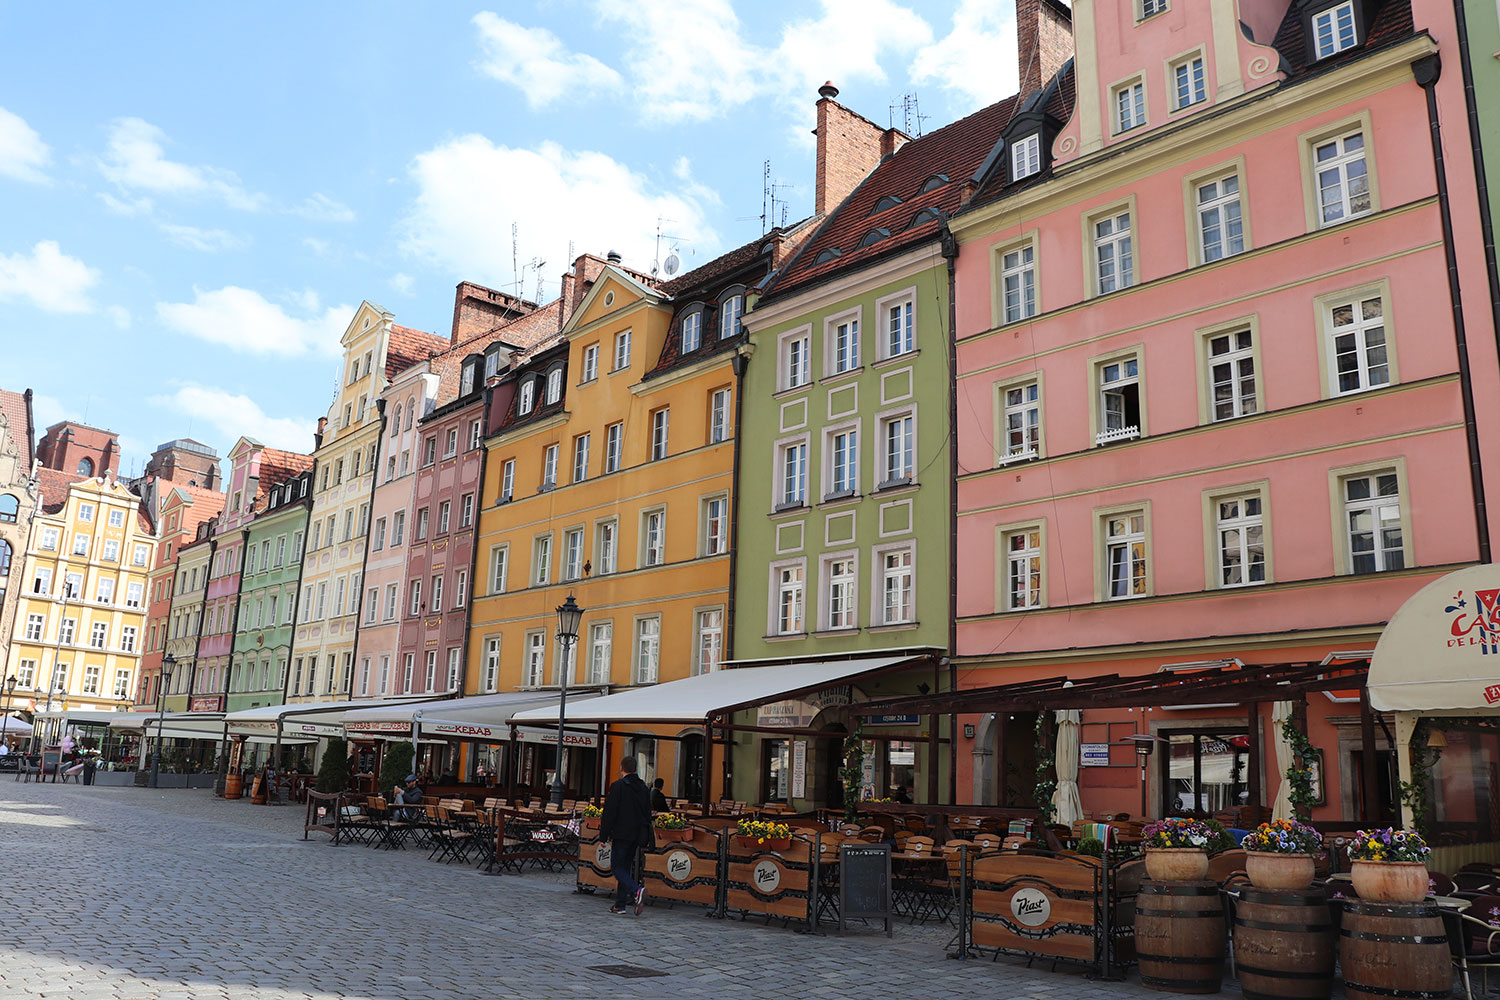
(865, 884)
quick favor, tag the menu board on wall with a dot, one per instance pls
(799, 769)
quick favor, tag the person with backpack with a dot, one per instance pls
(626, 824)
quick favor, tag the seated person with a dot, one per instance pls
(658, 797)
(411, 795)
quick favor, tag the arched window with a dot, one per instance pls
(411, 409)
(925, 215)
(885, 202)
(10, 507)
(874, 236)
(396, 424)
(4, 563)
(731, 309)
(86, 467)
(934, 182)
(528, 393)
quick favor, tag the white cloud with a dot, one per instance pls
(135, 160)
(207, 240)
(233, 415)
(246, 321)
(120, 316)
(688, 59)
(23, 154)
(321, 208)
(49, 278)
(844, 45)
(126, 206)
(555, 195)
(537, 61)
(977, 58)
(402, 283)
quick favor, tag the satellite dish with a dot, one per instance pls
(671, 264)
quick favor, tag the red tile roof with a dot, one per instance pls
(13, 407)
(408, 346)
(525, 332)
(276, 467)
(55, 486)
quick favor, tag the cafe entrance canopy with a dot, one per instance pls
(482, 718)
(1441, 650)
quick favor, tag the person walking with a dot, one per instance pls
(626, 824)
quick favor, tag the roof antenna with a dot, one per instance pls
(673, 263)
(515, 257)
(911, 115)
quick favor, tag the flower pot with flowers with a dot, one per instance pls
(757, 834)
(592, 817)
(1389, 865)
(671, 828)
(1177, 849)
(1280, 854)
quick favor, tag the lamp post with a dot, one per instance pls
(10, 689)
(167, 663)
(568, 616)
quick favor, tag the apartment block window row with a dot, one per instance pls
(844, 350)
(891, 594)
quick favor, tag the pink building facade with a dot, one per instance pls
(1217, 399)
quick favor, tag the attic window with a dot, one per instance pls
(1335, 30)
(832, 253)
(1025, 156)
(885, 202)
(874, 236)
(924, 216)
(609, 297)
(934, 182)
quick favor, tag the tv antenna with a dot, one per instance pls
(515, 255)
(911, 115)
(536, 264)
(673, 262)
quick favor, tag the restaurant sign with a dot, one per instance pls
(1440, 651)
(1093, 755)
(679, 866)
(381, 726)
(550, 736)
(210, 704)
(798, 713)
(766, 877)
(1030, 907)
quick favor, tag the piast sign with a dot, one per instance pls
(1031, 907)
(679, 866)
(767, 876)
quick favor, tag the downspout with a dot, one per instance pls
(234, 628)
(739, 362)
(950, 254)
(473, 588)
(364, 563)
(1426, 71)
(1481, 180)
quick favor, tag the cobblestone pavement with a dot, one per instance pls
(125, 894)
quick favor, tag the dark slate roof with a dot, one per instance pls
(537, 366)
(1392, 22)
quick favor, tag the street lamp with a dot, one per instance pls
(10, 689)
(167, 663)
(569, 614)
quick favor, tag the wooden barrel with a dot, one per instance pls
(1179, 936)
(234, 786)
(257, 792)
(1394, 950)
(1283, 945)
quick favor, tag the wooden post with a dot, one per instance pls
(602, 761)
(514, 753)
(1369, 787)
(1002, 780)
(708, 761)
(1253, 779)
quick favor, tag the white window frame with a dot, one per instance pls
(1022, 559)
(606, 545)
(590, 364)
(708, 644)
(653, 537)
(622, 351)
(549, 467)
(572, 568)
(1127, 105)
(541, 560)
(1386, 512)
(714, 531)
(838, 592)
(661, 430)
(841, 473)
(785, 468)
(788, 587)
(1240, 522)
(1190, 71)
(1120, 244)
(507, 480)
(1335, 27)
(1222, 214)
(901, 339)
(1018, 409)
(1122, 540)
(842, 335)
(891, 475)
(525, 398)
(499, 567)
(489, 677)
(719, 402)
(580, 458)
(601, 652)
(731, 312)
(646, 650)
(794, 359)
(691, 331)
(614, 446)
(1130, 371)
(1361, 329)
(1016, 287)
(1025, 156)
(1232, 368)
(885, 576)
(534, 662)
(1346, 169)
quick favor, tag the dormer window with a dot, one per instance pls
(492, 362)
(528, 395)
(730, 312)
(1026, 156)
(832, 253)
(885, 202)
(1334, 30)
(554, 385)
(467, 384)
(692, 331)
(934, 182)
(874, 236)
(924, 216)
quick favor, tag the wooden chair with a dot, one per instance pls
(872, 834)
(919, 845)
(987, 842)
(1226, 864)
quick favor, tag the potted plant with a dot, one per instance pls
(1280, 854)
(592, 817)
(671, 828)
(1389, 865)
(756, 834)
(1177, 849)
(1091, 847)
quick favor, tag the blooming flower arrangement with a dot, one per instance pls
(762, 830)
(669, 821)
(1283, 836)
(592, 812)
(1389, 844)
(1173, 832)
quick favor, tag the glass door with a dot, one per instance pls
(1207, 772)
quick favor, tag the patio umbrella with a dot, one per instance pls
(1067, 806)
(17, 727)
(1281, 712)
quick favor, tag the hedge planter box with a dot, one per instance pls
(1279, 871)
(1176, 864)
(1390, 881)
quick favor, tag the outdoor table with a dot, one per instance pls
(911, 890)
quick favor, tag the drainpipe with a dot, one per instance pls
(234, 627)
(364, 563)
(1426, 71)
(740, 362)
(1481, 179)
(473, 588)
(950, 254)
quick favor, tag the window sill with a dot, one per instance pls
(897, 627)
(897, 489)
(784, 636)
(833, 633)
(839, 377)
(841, 499)
(791, 391)
(788, 508)
(896, 359)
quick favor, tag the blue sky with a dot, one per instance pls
(194, 197)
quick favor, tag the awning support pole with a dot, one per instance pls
(514, 753)
(1369, 789)
(1252, 782)
(602, 758)
(708, 759)
(1406, 725)
(275, 764)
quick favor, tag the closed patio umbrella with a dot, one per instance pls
(1067, 807)
(1282, 809)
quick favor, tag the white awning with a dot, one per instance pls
(483, 718)
(693, 699)
(1441, 649)
(82, 716)
(187, 726)
(16, 726)
(314, 719)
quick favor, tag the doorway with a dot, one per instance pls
(690, 774)
(1385, 787)
(1016, 758)
(1207, 771)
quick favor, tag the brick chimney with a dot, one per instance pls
(1044, 42)
(849, 147)
(477, 310)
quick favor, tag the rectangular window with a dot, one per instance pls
(86, 512)
(429, 678)
(1342, 178)
(536, 658)
(378, 541)
(127, 638)
(1188, 83)
(710, 646)
(715, 526)
(26, 676)
(654, 538)
(122, 684)
(1357, 334)
(35, 624)
(793, 472)
(1023, 421)
(1125, 555)
(91, 678)
(407, 673)
(729, 316)
(105, 593)
(590, 363)
(1231, 374)
(900, 333)
(573, 554)
(1241, 540)
(1023, 569)
(117, 519)
(840, 595)
(42, 582)
(508, 479)
(445, 515)
(1221, 231)
(549, 467)
(392, 596)
(846, 345)
(660, 424)
(398, 528)
(436, 600)
(718, 416)
(133, 594)
(49, 539)
(450, 447)
(580, 458)
(622, 351)
(1333, 30)
(1372, 513)
(100, 635)
(338, 596)
(1025, 156)
(415, 589)
(1018, 283)
(80, 545)
(601, 649)
(421, 532)
(139, 557)
(796, 361)
(614, 436)
(73, 586)
(647, 650)
(490, 679)
(1114, 259)
(429, 451)
(541, 560)
(111, 550)
(1119, 401)
(789, 600)
(692, 331)
(460, 587)
(372, 605)
(1151, 7)
(498, 559)
(898, 588)
(843, 458)
(455, 668)
(606, 546)
(1130, 107)
(322, 601)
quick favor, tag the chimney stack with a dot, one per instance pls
(1044, 42)
(849, 147)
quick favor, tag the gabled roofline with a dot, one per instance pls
(653, 296)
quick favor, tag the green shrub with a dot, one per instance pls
(395, 767)
(1091, 846)
(333, 773)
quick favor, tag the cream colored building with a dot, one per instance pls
(348, 453)
(79, 625)
(18, 502)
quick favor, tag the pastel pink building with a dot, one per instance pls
(1217, 399)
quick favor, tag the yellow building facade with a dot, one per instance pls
(79, 628)
(608, 477)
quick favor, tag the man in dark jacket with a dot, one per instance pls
(626, 823)
(659, 801)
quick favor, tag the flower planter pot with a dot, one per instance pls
(1390, 881)
(770, 843)
(673, 836)
(592, 823)
(1279, 871)
(1176, 864)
